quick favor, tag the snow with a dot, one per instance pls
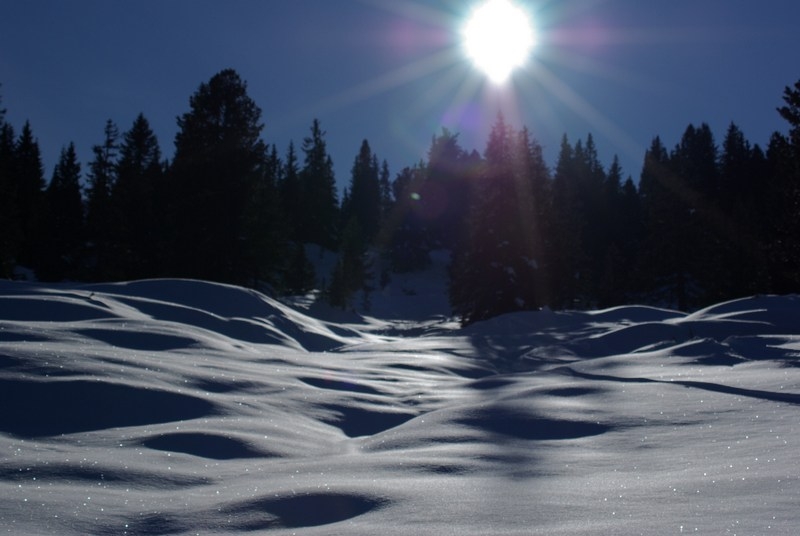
(186, 407)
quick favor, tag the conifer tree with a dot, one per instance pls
(291, 192)
(27, 186)
(385, 191)
(300, 275)
(446, 192)
(10, 237)
(320, 210)
(740, 219)
(137, 211)
(783, 156)
(63, 221)
(218, 154)
(265, 229)
(566, 252)
(678, 201)
(99, 213)
(405, 224)
(493, 273)
(618, 222)
(364, 201)
(352, 270)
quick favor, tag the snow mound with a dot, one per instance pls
(185, 407)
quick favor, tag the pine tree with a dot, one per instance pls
(265, 230)
(218, 154)
(27, 186)
(446, 192)
(783, 156)
(493, 273)
(320, 209)
(619, 222)
(566, 251)
(300, 275)
(740, 219)
(364, 203)
(10, 236)
(790, 111)
(291, 192)
(678, 199)
(352, 270)
(405, 225)
(385, 192)
(63, 221)
(136, 208)
(99, 213)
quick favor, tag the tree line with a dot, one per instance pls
(704, 223)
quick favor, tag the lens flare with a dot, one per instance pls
(498, 37)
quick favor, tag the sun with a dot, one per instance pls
(498, 37)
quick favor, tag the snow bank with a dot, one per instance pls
(184, 407)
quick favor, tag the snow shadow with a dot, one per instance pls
(356, 421)
(137, 340)
(49, 408)
(339, 385)
(520, 424)
(300, 510)
(74, 472)
(770, 396)
(204, 445)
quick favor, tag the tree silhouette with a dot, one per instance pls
(319, 215)
(27, 189)
(11, 236)
(218, 154)
(496, 269)
(137, 212)
(62, 240)
(99, 213)
(364, 201)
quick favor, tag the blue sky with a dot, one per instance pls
(393, 72)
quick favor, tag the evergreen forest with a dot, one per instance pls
(706, 220)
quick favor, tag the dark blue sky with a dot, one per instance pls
(392, 71)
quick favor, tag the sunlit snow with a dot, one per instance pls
(184, 407)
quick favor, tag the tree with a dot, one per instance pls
(445, 194)
(27, 190)
(10, 237)
(790, 111)
(218, 154)
(364, 202)
(300, 275)
(679, 194)
(63, 221)
(352, 269)
(291, 192)
(740, 218)
(265, 229)
(99, 213)
(136, 209)
(405, 225)
(783, 197)
(495, 271)
(385, 187)
(664, 220)
(566, 252)
(320, 209)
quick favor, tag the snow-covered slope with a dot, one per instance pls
(183, 407)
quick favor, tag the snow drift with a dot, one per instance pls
(183, 407)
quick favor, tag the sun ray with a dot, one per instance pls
(605, 126)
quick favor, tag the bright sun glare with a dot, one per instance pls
(498, 37)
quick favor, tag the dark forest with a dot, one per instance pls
(704, 222)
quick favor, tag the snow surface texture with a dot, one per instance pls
(183, 407)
